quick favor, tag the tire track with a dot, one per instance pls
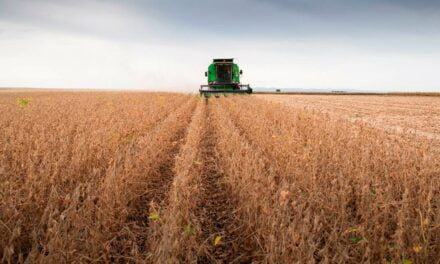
(148, 204)
(218, 206)
(163, 144)
(176, 239)
(158, 187)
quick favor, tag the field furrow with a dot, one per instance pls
(136, 188)
(159, 177)
(201, 223)
(176, 233)
(244, 162)
(217, 210)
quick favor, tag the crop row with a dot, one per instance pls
(167, 178)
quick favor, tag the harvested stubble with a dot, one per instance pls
(418, 114)
(156, 178)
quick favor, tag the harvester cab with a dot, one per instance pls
(224, 78)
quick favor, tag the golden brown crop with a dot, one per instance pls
(171, 178)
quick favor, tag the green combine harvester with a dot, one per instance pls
(224, 78)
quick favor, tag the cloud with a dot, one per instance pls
(92, 17)
(194, 20)
(166, 45)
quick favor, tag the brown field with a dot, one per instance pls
(418, 115)
(169, 178)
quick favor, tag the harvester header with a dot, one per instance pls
(224, 77)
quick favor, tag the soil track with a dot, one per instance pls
(145, 208)
(156, 195)
(218, 206)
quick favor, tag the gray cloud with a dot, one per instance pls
(387, 15)
(280, 17)
(239, 19)
(94, 17)
(304, 42)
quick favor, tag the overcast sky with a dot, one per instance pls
(167, 45)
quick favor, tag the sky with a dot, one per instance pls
(165, 45)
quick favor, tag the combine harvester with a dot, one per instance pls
(224, 78)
